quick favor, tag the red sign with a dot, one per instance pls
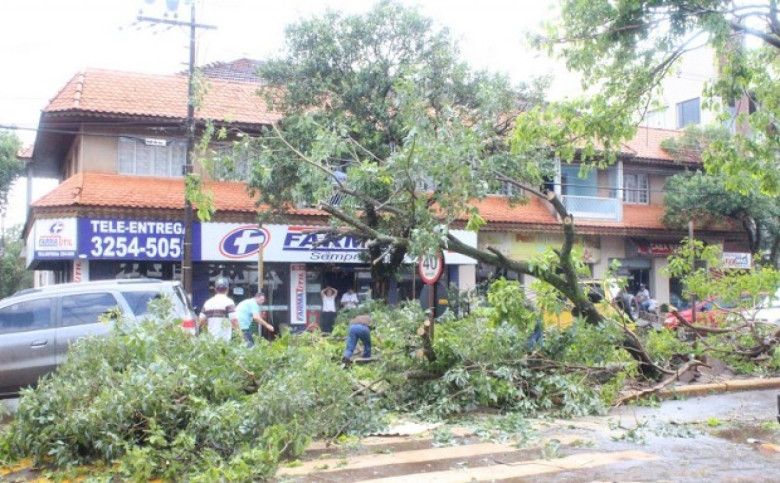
(657, 248)
(430, 268)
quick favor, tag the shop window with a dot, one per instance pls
(688, 112)
(636, 188)
(138, 157)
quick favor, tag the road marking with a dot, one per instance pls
(519, 469)
(400, 458)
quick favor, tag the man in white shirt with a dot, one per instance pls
(350, 299)
(218, 315)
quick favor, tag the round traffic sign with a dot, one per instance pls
(430, 268)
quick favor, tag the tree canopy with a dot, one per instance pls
(704, 197)
(10, 166)
(14, 276)
(382, 124)
(386, 131)
(623, 49)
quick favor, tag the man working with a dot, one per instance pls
(248, 311)
(219, 312)
(359, 329)
(643, 297)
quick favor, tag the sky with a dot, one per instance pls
(44, 43)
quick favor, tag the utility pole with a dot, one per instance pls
(186, 262)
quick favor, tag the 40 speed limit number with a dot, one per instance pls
(430, 268)
(135, 247)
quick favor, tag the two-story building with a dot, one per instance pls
(116, 140)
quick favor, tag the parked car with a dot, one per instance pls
(767, 312)
(715, 310)
(37, 326)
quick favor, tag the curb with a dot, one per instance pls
(720, 387)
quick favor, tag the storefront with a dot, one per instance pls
(296, 261)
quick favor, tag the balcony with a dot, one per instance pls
(593, 208)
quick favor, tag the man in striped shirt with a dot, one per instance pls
(219, 313)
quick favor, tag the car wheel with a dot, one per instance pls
(628, 306)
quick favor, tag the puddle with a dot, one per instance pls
(752, 434)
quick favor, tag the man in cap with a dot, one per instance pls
(643, 297)
(219, 312)
(248, 311)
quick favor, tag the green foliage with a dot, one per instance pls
(483, 361)
(10, 166)
(507, 298)
(149, 401)
(664, 346)
(747, 345)
(160, 404)
(706, 199)
(386, 129)
(13, 274)
(623, 49)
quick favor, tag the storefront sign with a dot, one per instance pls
(657, 248)
(55, 238)
(243, 241)
(298, 294)
(322, 247)
(736, 260)
(130, 239)
(290, 243)
(525, 247)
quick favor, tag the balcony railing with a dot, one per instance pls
(593, 208)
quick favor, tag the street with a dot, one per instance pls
(732, 437)
(728, 437)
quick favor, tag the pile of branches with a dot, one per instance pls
(152, 402)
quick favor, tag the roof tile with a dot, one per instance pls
(111, 92)
(120, 191)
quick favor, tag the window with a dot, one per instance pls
(139, 301)
(656, 118)
(636, 188)
(26, 316)
(507, 189)
(688, 112)
(136, 157)
(573, 185)
(230, 163)
(86, 308)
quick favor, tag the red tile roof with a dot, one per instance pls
(123, 93)
(647, 143)
(497, 209)
(26, 152)
(119, 191)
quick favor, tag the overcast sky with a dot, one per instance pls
(43, 43)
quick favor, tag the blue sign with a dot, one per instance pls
(131, 239)
(243, 241)
(302, 239)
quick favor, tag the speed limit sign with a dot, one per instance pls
(430, 268)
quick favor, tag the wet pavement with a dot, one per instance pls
(731, 437)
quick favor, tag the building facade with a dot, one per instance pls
(116, 142)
